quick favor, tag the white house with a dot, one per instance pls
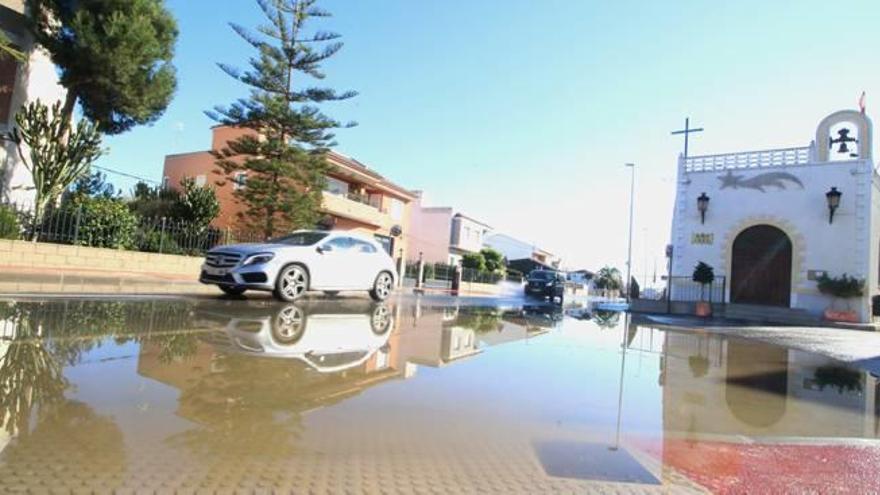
(515, 249)
(20, 83)
(466, 236)
(768, 223)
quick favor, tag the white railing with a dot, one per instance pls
(748, 159)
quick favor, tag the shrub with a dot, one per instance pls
(844, 287)
(703, 274)
(634, 290)
(156, 241)
(197, 206)
(474, 261)
(107, 222)
(494, 260)
(10, 228)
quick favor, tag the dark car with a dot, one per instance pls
(545, 284)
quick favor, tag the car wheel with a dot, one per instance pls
(331, 293)
(289, 325)
(380, 322)
(382, 287)
(232, 290)
(292, 283)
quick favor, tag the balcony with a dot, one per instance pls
(357, 207)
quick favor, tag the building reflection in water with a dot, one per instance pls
(245, 373)
(715, 387)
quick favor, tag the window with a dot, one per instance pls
(239, 180)
(363, 246)
(201, 180)
(339, 244)
(336, 186)
(386, 242)
(300, 239)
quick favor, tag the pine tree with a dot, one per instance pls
(284, 158)
(114, 57)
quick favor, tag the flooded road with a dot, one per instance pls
(342, 395)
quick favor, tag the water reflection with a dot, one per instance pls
(714, 386)
(328, 336)
(229, 394)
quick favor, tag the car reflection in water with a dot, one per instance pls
(537, 317)
(328, 336)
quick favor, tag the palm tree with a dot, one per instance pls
(608, 279)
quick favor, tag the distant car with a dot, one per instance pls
(546, 284)
(306, 260)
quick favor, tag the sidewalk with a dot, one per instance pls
(854, 347)
(20, 281)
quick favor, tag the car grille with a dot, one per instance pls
(222, 260)
(255, 278)
(227, 279)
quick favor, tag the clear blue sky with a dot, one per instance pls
(521, 113)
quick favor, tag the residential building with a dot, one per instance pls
(467, 236)
(430, 231)
(772, 222)
(521, 255)
(355, 198)
(20, 83)
(583, 277)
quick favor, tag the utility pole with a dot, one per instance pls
(629, 251)
(687, 132)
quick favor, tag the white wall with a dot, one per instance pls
(849, 245)
(38, 79)
(468, 235)
(511, 248)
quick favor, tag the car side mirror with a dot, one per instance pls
(323, 249)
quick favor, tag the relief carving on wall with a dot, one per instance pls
(760, 181)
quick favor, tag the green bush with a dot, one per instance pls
(474, 261)
(10, 228)
(156, 241)
(108, 223)
(844, 287)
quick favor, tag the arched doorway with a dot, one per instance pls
(761, 267)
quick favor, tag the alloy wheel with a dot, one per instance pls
(294, 282)
(383, 286)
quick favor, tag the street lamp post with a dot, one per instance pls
(632, 190)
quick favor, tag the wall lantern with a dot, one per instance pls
(833, 197)
(703, 206)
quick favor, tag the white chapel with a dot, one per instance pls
(772, 222)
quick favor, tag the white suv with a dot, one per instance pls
(303, 261)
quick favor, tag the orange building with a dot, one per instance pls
(355, 197)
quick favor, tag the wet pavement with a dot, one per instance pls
(415, 396)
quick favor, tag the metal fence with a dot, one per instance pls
(686, 290)
(81, 226)
(443, 273)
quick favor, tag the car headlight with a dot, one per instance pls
(257, 259)
(549, 284)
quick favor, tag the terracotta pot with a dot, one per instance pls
(844, 316)
(704, 309)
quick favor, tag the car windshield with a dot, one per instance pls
(541, 276)
(300, 238)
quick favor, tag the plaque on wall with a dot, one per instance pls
(703, 238)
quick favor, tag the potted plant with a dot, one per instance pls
(842, 287)
(703, 275)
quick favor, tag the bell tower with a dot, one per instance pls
(844, 135)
